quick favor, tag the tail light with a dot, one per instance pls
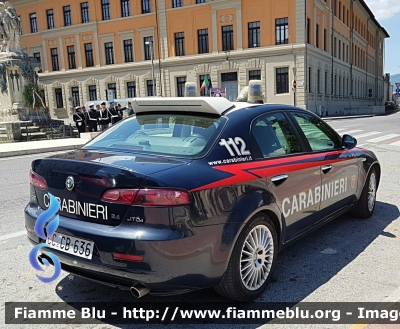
(148, 197)
(37, 181)
(119, 196)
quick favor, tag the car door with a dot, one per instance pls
(339, 167)
(290, 177)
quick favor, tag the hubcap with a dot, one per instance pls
(256, 257)
(371, 192)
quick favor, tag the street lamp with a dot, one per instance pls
(150, 43)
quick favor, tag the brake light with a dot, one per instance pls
(120, 196)
(147, 197)
(161, 197)
(37, 181)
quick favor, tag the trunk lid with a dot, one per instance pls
(93, 173)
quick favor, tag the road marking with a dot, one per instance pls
(353, 131)
(395, 143)
(12, 235)
(383, 138)
(340, 129)
(368, 134)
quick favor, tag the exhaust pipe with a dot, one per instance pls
(139, 290)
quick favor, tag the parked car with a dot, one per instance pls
(390, 106)
(193, 193)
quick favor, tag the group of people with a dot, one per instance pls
(100, 116)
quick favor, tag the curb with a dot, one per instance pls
(349, 117)
(8, 154)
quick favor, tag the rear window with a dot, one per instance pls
(181, 135)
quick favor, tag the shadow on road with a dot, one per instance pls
(301, 269)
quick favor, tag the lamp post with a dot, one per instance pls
(150, 43)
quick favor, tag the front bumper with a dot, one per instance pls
(171, 263)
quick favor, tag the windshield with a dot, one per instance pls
(181, 135)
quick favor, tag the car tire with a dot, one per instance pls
(247, 278)
(365, 205)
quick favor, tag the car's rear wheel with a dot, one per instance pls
(366, 204)
(252, 261)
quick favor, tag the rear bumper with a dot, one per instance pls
(171, 263)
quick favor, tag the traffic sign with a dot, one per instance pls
(397, 90)
(397, 84)
(397, 94)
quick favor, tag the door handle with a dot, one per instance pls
(277, 180)
(326, 168)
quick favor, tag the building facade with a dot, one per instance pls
(332, 49)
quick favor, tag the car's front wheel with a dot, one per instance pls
(366, 204)
(252, 261)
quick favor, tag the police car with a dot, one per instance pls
(198, 192)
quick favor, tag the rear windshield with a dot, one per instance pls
(181, 135)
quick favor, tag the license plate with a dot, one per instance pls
(71, 245)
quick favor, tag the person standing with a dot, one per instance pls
(113, 113)
(79, 120)
(104, 117)
(93, 118)
(120, 111)
(130, 109)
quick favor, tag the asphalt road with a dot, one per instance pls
(346, 260)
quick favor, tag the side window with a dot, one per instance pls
(319, 135)
(273, 136)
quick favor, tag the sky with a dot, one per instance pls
(387, 13)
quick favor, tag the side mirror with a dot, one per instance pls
(349, 142)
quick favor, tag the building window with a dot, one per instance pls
(109, 50)
(75, 96)
(202, 36)
(38, 58)
(255, 75)
(309, 80)
(85, 12)
(180, 85)
(317, 36)
(318, 81)
(179, 44)
(326, 82)
(335, 85)
(227, 38)
(204, 91)
(176, 3)
(59, 98)
(254, 34)
(54, 59)
(125, 8)
(325, 40)
(34, 27)
(334, 46)
(50, 19)
(71, 57)
(89, 55)
(128, 50)
(200, 1)
(148, 47)
(92, 93)
(308, 31)
(105, 10)
(149, 84)
(282, 80)
(67, 16)
(146, 6)
(113, 88)
(282, 31)
(131, 87)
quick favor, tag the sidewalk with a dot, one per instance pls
(53, 145)
(348, 117)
